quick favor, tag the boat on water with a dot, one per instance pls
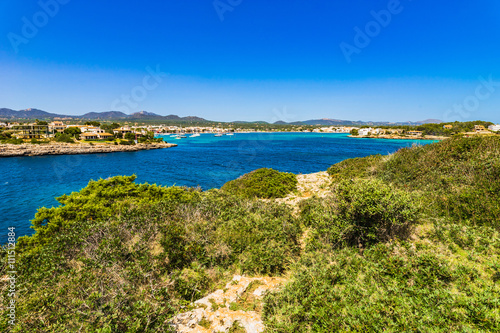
(229, 133)
(218, 134)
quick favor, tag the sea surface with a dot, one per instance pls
(27, 183)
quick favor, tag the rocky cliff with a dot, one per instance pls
(10, 150)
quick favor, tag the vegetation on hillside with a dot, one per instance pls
(123, 257)
(262, 183)
(63, 137)
(457, 127)
(442, 277)
(402, 243)
(438, 129)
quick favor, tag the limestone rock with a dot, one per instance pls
(214, 314)
(55, 148)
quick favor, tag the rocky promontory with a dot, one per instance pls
(55, 148)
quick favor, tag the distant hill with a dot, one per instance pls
(27, 114)
(142, 114)
(339, 122)
(153, 117)
(106, 115)
(252, 122)
(430, 121)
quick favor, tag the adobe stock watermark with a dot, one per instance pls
(48, 9)
(223, 6)
(471, 103)
(11, 275)
(363, 37)
(67, 166)
(283, 116)
(139, 93)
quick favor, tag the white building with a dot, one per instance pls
(365, 131)
(494, 128)
(57, 126)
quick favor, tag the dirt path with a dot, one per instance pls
(238, 306)
(308, 185)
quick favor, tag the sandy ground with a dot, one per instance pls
(308, 185)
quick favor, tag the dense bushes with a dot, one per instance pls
(127, 142)
(355, 168)
(262, 183)
(5, 135)
(125, 257)
(458, 127)
(14, 141)
(444, 278)
(62, 137)
(396, 287)
(361, 213)
(459, 177)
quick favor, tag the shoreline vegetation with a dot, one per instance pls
(403, 242)
(58, 148)
(400, 137)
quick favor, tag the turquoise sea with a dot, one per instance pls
(27, 183)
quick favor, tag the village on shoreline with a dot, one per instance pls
(58, 137)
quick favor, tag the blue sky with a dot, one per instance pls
(254, 60)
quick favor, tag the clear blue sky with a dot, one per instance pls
(264, 60)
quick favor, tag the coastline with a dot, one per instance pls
(398, 137)
(28, 149)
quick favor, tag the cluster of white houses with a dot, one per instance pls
(88, 132)
(478, 129)
(494, 128)
(364, 131)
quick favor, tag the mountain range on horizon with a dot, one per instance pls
(33, 113)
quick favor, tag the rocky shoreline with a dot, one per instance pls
(398, 137)
(27, 149)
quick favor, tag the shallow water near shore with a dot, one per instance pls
(27, 183)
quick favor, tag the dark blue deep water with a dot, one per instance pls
(27, 183)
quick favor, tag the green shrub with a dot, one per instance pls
(62, 137)
(73, 131)
(4, 135)
(128, 256)
(355, 167)
(129, 136)
(191, 282)
(394, 287)
(360, 213)
(459, 177)
(262, 183)
(14, 141)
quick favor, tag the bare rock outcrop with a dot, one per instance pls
(238, 304)
(54, 148)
